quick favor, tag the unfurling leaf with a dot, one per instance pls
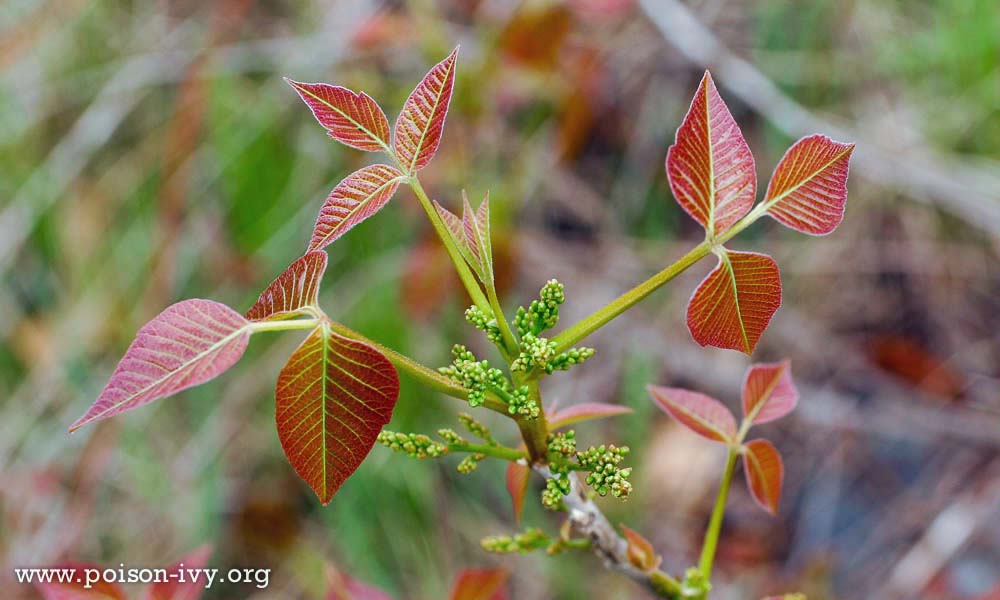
(75, 590)
(471, 234)
(359, 196)
(765, 473)
(351, 118)
(293, 290)
(702, 414)
(187, 344)
(518, 477)
(333, 398)
(808, 189)
(480, 584)
(342, 587)
(769, 392)
(585, 412)
(733, 305)
(710, 167)
(178, 587)
(420, 124)
(640, 552)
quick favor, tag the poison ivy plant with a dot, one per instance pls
(338, 389)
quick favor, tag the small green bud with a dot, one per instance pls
(488, 325)
(535, 352)
(476, 428)
(571, 357)
(555, 489)
(470, 463)
(532, 539)
(415, 444)
(543, 313)
(604, 475)
(521, 403)
(450, 437)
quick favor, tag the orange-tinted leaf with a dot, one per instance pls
(293, 290)
(585, 412)
(765, 473)
(342, 587)
(480, 584)
(188, 589)
(518, 477)
(100, 590)
(187, 344)
(702, 414)
(769, 392)
(359, 196)
(640, 552)
(733, 305)
(419, 126)
(333, 397)
(352, 118)
(710, 167)
(808, 189)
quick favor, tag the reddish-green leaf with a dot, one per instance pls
(765, 473)
(733, 305)
(75, 590)
(640, 552)
(333, 397)
(585, 412)
(359, 196)
(419, 126)
(471, 234)
(710, 167)
(808, 189)
(175, 589)
(293, 290)
(352, 118)
(480, 584)
(702, 414)
(342, 587)
(769, 392)
(518, 477)
(185, 345)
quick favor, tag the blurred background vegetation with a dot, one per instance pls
(150, 152)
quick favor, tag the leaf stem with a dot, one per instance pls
(505, 333)
(715, 524)
(289, 325)
(501, 452)
(535, 431)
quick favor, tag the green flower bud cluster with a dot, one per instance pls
(543, 313)
(555, 489)
(415, 444)
(571, 357)
(604, 475)
(564, 444)
(532, 539)
(535, 352)
(470, 463)
(475, 376)
(487, 325)
(476, 428)
(521, 403)
(450, 437)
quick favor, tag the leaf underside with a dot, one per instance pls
(710, 166)
(733, 305)
(769, 392)
(471, 234)
(419, 126)
(480, 584)
(700, 413)
(764, 473)
(187, 344)
(293, 290)
(808, 190)
(585, 411)
(333, 397)
(359, 196)
(518, 477)
(354, 119)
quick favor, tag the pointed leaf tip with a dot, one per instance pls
(765, 473)
(420, 125)
(518, 477)
(769, 392)
(808, 190)
(187, 344)
(354, 119)
(735, 302)
(710, 166)
(700, 413)
(332, 399)
(295, 289)
(359, 196)
(640, 552)
(585, 411)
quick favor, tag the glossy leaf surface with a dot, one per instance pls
(700, 413)
(764, 472)
(293, 290)
(420, 124)
(359, 196)
(808, 190)
(769, 392)
(352, 118)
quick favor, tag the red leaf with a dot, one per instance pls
(187, 344)
(769, 392)
(359, 196)
(808, 189)
(176, 590)
(293, 290)
(471, 234)
(419, 126)
(75, 590)
(480, 584)
(702, 414)
(333, 397)
(710, 167)
(351, 118)
(518, 476)
(585, 412)
(342, 587)
(765, 472)
(733, 305)
(640, 552)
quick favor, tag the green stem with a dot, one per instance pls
(535, 431)
(501, 452)
(289, 325)
(715, 524)
(510, 344)
(665, 585)
(464, 273)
